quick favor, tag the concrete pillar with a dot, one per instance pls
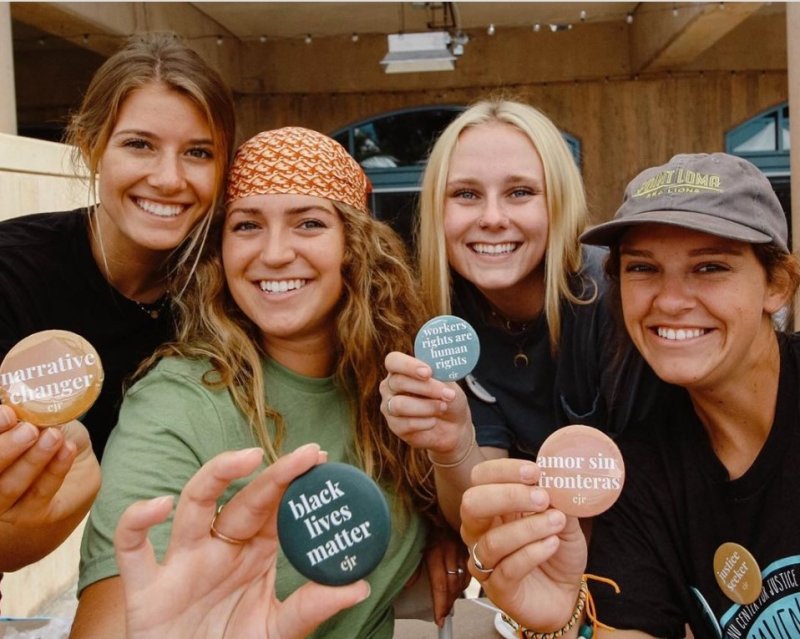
(793, 77)
(8, 102)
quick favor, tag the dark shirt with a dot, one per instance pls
(678, 506)
(50, 280)
(581, 384)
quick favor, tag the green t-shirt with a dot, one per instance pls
(170, 424)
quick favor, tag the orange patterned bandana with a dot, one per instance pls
(297, 161)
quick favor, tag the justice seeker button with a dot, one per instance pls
(737, 573)
(582, 470)
(334, 524)
(449, 345)
(51, 377)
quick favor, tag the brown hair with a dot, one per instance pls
(154, 58)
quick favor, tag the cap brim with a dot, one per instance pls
(609, 233)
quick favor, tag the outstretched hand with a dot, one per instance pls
(208, 586)
(530, 557)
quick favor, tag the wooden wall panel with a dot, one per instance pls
(623, 125)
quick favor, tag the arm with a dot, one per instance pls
(434, 415)
(48, 480)
(232, 593)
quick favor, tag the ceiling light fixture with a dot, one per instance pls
(419, 52)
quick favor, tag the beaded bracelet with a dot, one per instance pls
(460, 460)
(580, 605)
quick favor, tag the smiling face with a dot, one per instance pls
(282, 256)
(696, 306)
(157, 173)
(495, 216)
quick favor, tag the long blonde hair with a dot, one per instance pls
(379, 312)
(566, 206)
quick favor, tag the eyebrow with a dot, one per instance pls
(693, 253)
(298, 210)
(511, 179)
(149, 134)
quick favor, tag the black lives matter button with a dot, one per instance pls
(334, 524)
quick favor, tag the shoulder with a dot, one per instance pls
(183, 371)
(40, 228)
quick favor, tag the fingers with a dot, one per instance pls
(34, 451)
(198, 501)
(528, 541)
(248, 511)
(137, 563)
(505, 470)
(410, 376)
(312, 604)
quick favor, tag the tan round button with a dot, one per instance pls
(737, 573)
(51, 377)
(582, 470)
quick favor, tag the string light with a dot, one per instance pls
(583, 15)
(490, 29)
(629, 18)
(354, 37)
(308, 38)
(537, 27)
(85, 38)
(219, 40)
(675, 11)
(262, 39)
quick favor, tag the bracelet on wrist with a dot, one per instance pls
(577, 614)
(460, 460)
(584, 603)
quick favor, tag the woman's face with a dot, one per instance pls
(495, 213)
(282, 256)
(697, 306)
(157, 173)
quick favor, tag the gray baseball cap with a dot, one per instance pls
(715, 193)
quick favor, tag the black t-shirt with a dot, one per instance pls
(48, 280)
(581, 384)
(678, 506)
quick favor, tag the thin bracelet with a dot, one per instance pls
(460, 460)
(580, 605)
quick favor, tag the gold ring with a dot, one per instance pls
(389, 406)
(217, 534)
(458, 571)
(478, 565)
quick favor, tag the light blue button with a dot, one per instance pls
(449, 345)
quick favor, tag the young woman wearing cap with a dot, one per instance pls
(296, 300)
(699, 264)
(501, 209)
(156, 131)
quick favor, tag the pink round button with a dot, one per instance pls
(582, 470)
(51, 377)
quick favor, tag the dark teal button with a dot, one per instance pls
(334, 524)
(449, 345)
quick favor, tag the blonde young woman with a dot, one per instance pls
(501, 210)
(156, 131)
(298, 297)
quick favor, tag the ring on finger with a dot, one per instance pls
(218, 535)
(478, 564)
(389, 406)
(458, 571)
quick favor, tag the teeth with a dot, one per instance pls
(281, 286)
(680, 334)
(161, 210)
(494, 249)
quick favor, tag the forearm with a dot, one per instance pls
(101, 611)
(20, 547)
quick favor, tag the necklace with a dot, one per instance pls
(515, 329)
(154, 309)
